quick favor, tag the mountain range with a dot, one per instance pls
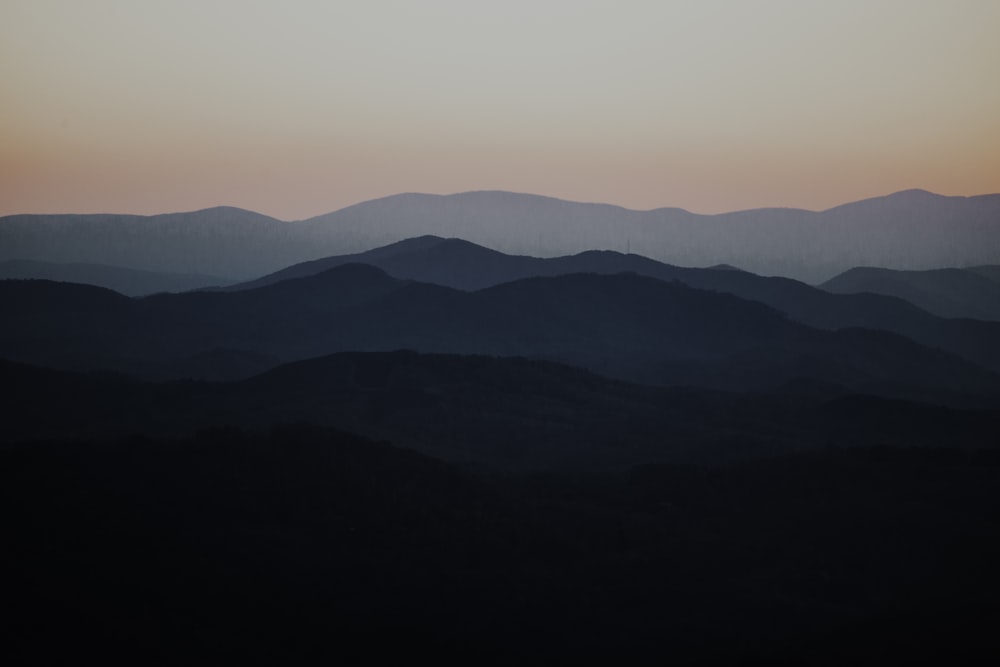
(305, 546)
(622, 325)
(360, 438)
(492, 413)
(912, 229)
(462, 265)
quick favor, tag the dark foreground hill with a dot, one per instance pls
(626, 326)
(466, 266)
(307, 547)
(973, 292)
(486, 412)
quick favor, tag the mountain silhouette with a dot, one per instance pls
(623, 325)
(991, 272)
(968, 293)
(388, 441)
(131, 282)
(228, 242)
(464, 265)
(510, 414)
(911, 229)
(305, 545)
(906, 230)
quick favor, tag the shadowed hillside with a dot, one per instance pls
(493, 413)
(463, 265)
(626, 326)
(131, 282)
(480, 458)
(972, 293)
(305, 546)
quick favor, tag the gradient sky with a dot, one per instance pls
(298, 108)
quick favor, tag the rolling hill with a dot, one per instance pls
(463, 265)
(494, 413)
(967, 293)
(623, 325)
(130, 282)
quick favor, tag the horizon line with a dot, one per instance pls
(915, 190)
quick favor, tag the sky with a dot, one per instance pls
(301, 107)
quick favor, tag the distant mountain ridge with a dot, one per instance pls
(130, 282)
(973, 292)
(913, 229)
(909, 229)
(228, 242)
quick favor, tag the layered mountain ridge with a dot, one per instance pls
(495, 458)
(463, 265)
(906, 230)
(622, 325)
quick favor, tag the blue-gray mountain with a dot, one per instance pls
(131, 282)
(907, 230)
(973, 292)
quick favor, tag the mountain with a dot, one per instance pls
(509, 414)
(308, 546)
(970, 293)
(491, 459)
(229, 242)
(467, 266)
(624, 325)
(421, 257)
(911, 229)
(990, 272)
(906, 230)
(131, 282)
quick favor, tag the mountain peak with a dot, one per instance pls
(901, 199)
(220, 212)
(916, 195)
(914, 192)
(348, 276)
